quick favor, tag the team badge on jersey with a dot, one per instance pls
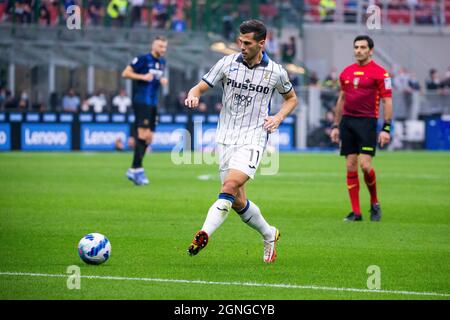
(355, 82)
(266, 76)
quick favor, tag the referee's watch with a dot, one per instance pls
(334, 126)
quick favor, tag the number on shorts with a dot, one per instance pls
(251, 156)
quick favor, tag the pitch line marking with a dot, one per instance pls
(231, 283)
(206, 177)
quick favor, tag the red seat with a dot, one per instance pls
(447, 18)
(54, 14)
(313, 2)
(268, 10)
(399, 16)
(2, 9)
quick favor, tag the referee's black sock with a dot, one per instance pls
(139, 152)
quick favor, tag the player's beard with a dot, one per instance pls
(249, 58)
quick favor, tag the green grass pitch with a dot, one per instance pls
(48, 201)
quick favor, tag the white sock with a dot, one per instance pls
(216, 215)
(252, 216)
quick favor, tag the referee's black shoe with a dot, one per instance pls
(353, 217)
(375, 212)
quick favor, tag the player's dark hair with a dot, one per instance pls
(257, 27)
(367, 38)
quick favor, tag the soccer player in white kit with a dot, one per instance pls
(249, 80)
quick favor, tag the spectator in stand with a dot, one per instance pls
(2, 97)
(159, 15)
(71, 102)
(182, 95)
(202, 107)
(313, 79)
(401, 80)
(96, 103)
(332, 80)
(44, 14)
(122, 102)
(4, 6)
(95, 11)
(24, 101)
(178, 22)
(433, 82)
(10, 102)
(446, 81)
(23, 11)
(227, 25)
(136, 12)
(289, 51)
(351, 11)
(326, 10)
(320, 136)
(402, 86)
(413, 83)
(117, 11)
(293, 78)
(218, 106)
(331, 87)
(272, 47)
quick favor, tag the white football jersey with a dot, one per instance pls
(247, 93)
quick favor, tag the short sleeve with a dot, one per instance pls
(342, 80)
(283, 85)
(216, 73)
(384, 83)
(137, 63)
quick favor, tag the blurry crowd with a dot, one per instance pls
(98, 102)
(174, 14)
(159, 14)
(397, 11)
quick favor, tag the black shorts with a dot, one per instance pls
(358, 135)
(146, 116)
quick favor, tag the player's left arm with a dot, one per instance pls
(385, 91)
(193, 97)
(385, 134)
(290, 103)
(164, 79)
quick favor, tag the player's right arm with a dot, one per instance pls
(129, 73)
(195, 93)
(334, 134)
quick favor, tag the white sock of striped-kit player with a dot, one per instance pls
(250, 214)
(218, 213)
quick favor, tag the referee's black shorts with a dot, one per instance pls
(358, 135)
(145, 116)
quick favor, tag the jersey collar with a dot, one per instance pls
(264, 61)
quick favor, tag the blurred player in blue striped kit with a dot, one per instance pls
(148, 73)
(249, 79)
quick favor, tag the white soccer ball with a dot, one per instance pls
(94, 248)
